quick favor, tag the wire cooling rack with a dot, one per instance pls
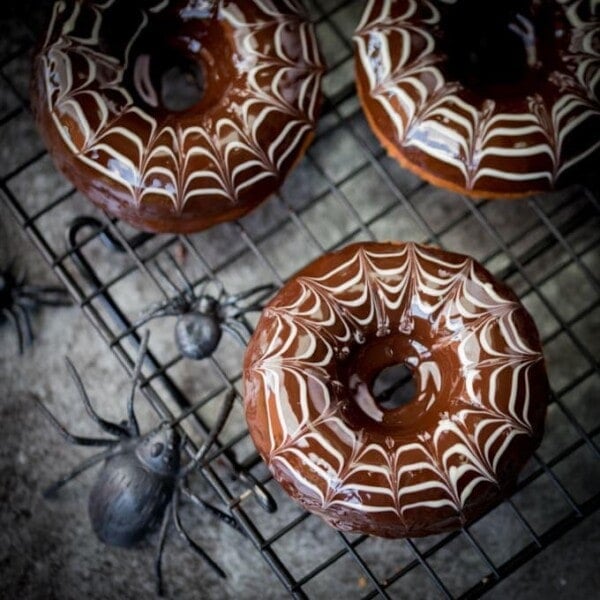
(346, 189)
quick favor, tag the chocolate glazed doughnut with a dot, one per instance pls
(497, 99)
(98, 94)
(427, 466)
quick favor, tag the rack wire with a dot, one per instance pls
(346, 189)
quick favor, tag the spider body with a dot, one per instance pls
(142, 479)
(18, 299)
(202, 318)
(133, 489)
(198, 334)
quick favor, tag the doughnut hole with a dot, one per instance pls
(182, 86)
(501, 48)
(182, 70)
(398, 384)
(394, 387)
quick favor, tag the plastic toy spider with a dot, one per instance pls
(17, 299)
(202, 317)
(142, 480)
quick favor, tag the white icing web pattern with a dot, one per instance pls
(291, 377)
(215, 157)
(486, 143)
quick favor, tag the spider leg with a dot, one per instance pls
(193, 545)
(231, 327)
(167, 279)
(204, 285)
(108, 426)
(262, 292)
(132, 425)
(183, 441)
(263, 497)
(26, 320)
(83, 466)
(220, 290)
(217, 512)
(212, 436)
(24, 301)
(46, 294)
(186, 282)
(164, 527)
(155, 311)
(10, 315)
(67, 435)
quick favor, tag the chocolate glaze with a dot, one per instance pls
(96, 94)
(430, 465)
(497, 98)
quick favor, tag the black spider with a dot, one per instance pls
(142, 479)
(202, 317)
(17, 299)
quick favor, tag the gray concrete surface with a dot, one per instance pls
(47, 549)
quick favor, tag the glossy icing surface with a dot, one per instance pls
(424, 467)
(488, 98)
(97, 98)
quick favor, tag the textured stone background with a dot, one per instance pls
(46, 547)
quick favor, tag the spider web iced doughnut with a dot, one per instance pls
(468, 127)
(430, 465)
(97, 98)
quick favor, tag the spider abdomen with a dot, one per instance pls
(197, 335)
(127, 501)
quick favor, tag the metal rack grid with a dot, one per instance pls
(346, 189)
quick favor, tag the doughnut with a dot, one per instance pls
(432, 464)
(495, 99)
(118, 132)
